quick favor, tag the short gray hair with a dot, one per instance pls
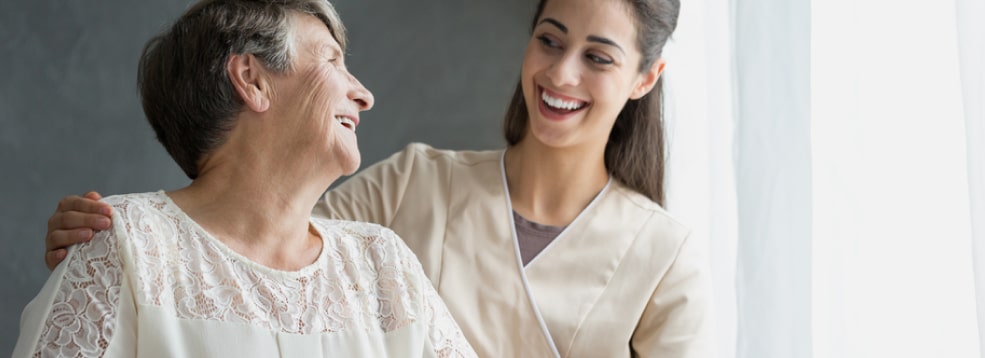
(185, 91)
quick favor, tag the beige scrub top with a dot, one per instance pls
(622, 280)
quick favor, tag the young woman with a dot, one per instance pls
(557, 245)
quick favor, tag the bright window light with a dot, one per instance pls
(893, 270)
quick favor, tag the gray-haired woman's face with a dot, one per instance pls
(321, 98)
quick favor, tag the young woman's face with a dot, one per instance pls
(581, 66)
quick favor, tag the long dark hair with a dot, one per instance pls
(634, 154)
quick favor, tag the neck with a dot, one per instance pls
(257, 205)
(551, 186)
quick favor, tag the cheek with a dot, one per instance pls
(534, 65)
(527, 72)
(535, 60)
(528, 55)
(609, 89)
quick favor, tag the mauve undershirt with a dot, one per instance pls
(533, 237)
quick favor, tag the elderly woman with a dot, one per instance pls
(233, 265)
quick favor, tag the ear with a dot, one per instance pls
(246, 74)
(648, 79)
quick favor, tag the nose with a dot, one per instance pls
(564, 71)
(359, 94)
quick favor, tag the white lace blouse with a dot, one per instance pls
(158, 285)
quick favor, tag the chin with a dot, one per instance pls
(351, 168)
(349, 161)
(547, 136)
(347, 154)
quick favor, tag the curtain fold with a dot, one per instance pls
(816, 149)
(773, 177)
(971, 48)
(701, 177)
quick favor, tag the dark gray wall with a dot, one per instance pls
(441, 70)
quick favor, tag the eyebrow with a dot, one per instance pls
(551, 21)
(590, 38)
(603, 40)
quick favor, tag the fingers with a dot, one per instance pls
(53, 258)
(88, 204)
(75, 212)
(67, 220)
(60, 239)
(76, 219)
(93, 196)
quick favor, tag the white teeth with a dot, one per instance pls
(346, 122)
(559, 103)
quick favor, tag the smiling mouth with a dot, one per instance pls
(346, 122)
(560, 105)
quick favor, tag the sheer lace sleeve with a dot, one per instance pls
(405, 293)
(442, 331)
(75, 313)
(445, 335)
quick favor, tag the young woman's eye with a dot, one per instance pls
(599, 59)
(547, 42)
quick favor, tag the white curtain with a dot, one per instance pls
(832, 155)
(701, 176)
(971, 44)
(773, 166)
(893, 276)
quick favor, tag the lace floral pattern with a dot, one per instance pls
(364, 279)
(82, 314)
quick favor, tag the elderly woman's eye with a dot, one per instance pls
(335, 62)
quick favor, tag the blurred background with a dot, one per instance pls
(831, 154)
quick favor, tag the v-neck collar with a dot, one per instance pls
(567, 228)
(516, 245)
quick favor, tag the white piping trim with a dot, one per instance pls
(572, 223)
(516, 246)
(526, 287)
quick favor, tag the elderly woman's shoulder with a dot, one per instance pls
(138, 201)
(356, 232)
(354, 228)
(354, 238)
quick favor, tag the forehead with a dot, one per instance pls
(613, 19)
(311, 33)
